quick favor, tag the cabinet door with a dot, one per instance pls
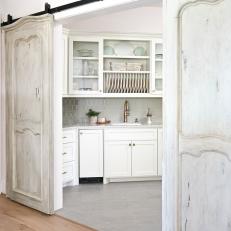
(157, 66)
(29, 136)
(144, 158)
(160, 151)
(91, 153)
(84, 73)
(117, 159)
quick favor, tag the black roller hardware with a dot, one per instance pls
(49, 10)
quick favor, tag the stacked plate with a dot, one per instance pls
(126, 82)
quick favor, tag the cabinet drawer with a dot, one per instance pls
(69, 136)
(68, 172)
(68, 152)
(130, 134)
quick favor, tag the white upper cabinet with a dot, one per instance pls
(157, 66)
(84, 65)
(126, 66)
(114, 67)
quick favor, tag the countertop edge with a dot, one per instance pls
(144, 126)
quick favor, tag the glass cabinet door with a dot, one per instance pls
(84, 67)
(158, 66)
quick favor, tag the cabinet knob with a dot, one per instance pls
(64, 153)
(134, 144)
(64, 137)
(64, 173)
(130, 144)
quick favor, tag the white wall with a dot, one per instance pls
(74, 110)
(141, 20)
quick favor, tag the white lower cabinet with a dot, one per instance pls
(144, 158)
(68, 172)
(117, 153)
(117, 158)
(131, 153)
(91, 153)
(70, 158)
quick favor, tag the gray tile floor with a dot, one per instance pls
(132, 206)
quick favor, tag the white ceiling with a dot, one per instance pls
(122, 7)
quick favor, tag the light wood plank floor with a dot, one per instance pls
(15, 217)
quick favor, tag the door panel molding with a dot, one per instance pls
(204, 136)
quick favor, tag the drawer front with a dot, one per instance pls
(68, 172)
(69, 136)
(68, 152)
(130, 134)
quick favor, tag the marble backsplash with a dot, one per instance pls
(75, 109)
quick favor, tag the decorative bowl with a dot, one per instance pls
(139, 51)
(108, 50)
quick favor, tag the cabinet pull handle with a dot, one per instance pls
(64, 173)
(130, 144)
(64, 137)
(134, 144)
(64, 153)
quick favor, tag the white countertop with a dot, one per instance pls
(95, 126)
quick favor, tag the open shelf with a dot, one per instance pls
(96, 94)
(85, 58)
(128, 72)
(125, 57)
(85, 77)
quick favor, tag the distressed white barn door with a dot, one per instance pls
(29, 148)
(205, 116)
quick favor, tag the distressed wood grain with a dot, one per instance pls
(204, 115)
(29, 87)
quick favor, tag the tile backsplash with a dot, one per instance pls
(75, 109)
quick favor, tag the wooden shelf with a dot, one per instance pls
(125, 57)
(127, 72)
